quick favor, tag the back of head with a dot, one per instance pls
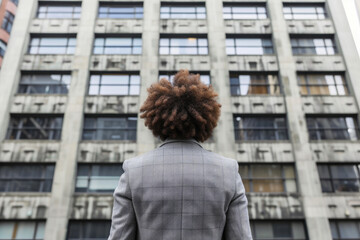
(185, 109)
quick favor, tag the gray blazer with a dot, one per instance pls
(180, 191)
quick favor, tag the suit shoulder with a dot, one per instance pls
(137, 160)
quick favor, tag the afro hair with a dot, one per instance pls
(182, 110)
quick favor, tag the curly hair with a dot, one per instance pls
(184, 109)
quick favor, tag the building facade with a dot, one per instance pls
(76, 74)
(7, 16)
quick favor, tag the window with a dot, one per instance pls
(24, 230)
(322, 84)
(231, 11)
(121, 11)
(114, 84)
(333, 128)
(52, 45)
(110, 128)
(268, 177)
(183, 11)
(86, 230)
(35, 127)
(117, 45)
(248, 46)
(44, 83)
(2, 48)
(26, 177)
(56, 10)
(277, 229)
(98, 177)
(183, 45)
(8, 21)
(339, 177)
(260, 127)
(345, 229)
(204, 76)
(247, 84)
(313, 11)
(315, 46)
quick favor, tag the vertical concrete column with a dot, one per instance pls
(149, 68)
(224, 132)
(308, 182)
(347, 45)
(10, 70)
(357, 4)
(65, 172)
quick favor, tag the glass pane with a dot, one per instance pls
(282, 230)
(348, 230)
(264, 231)
(25, 230)
(6, 230)
(290, 186)
(334, 230)
(266, 171)
(349, 171)
(268, 185)
(40, 230)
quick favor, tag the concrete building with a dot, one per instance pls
(76, 73)
(7, 15)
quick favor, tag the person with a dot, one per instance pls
(180, 190)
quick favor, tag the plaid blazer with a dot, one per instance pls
(180, 191)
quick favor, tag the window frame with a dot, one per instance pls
(296, 38)
(266, 50)
(272, 222)
(237, 74)
(90, 177)
(100, 84)
(305, 5)
(258, 116)
(329, 116)
(57, 131)
(283, 177)
(190, 5)
(83, 227)
(133, 5)
(331, 179)
(16, 222)
(71, 4)
(33, 74)
(133, 38)
(308, 85)
(95, 129)
(169, 47)
(44, 168)
(69, 49)
(8, 21)
(255, 5)
(170, 74)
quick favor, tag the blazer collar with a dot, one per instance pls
(170, 140)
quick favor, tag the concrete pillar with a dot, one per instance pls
(65, 172)
(224, 132)
(16, 48)
(347, 46)
(357, 4)
(149, 68)
(308, 180)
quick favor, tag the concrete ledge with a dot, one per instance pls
(112, 104)
(319, 63)
(54, 25)
(261, 26)
(32, 103)
(173, 26)
(115, 62)
(31, 151)
(335, 151)
(258, 104)
(47, 62)
(270, 152)
(119, 26)
(253, 63)
(24, 206)
(324, 26)
(191, 62)
(329, 104)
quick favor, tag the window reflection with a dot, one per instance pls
(44, 83)
(65, 10)
(185, 46)
(121, 10)
(248, 46)
(304, 11)
(322, 84)
(247, 84)
(117, 45)
(114, 84)
(182, 11)
(275, 229)
(244, 11)
(24, 230)
(52, 45)
(316, 46)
